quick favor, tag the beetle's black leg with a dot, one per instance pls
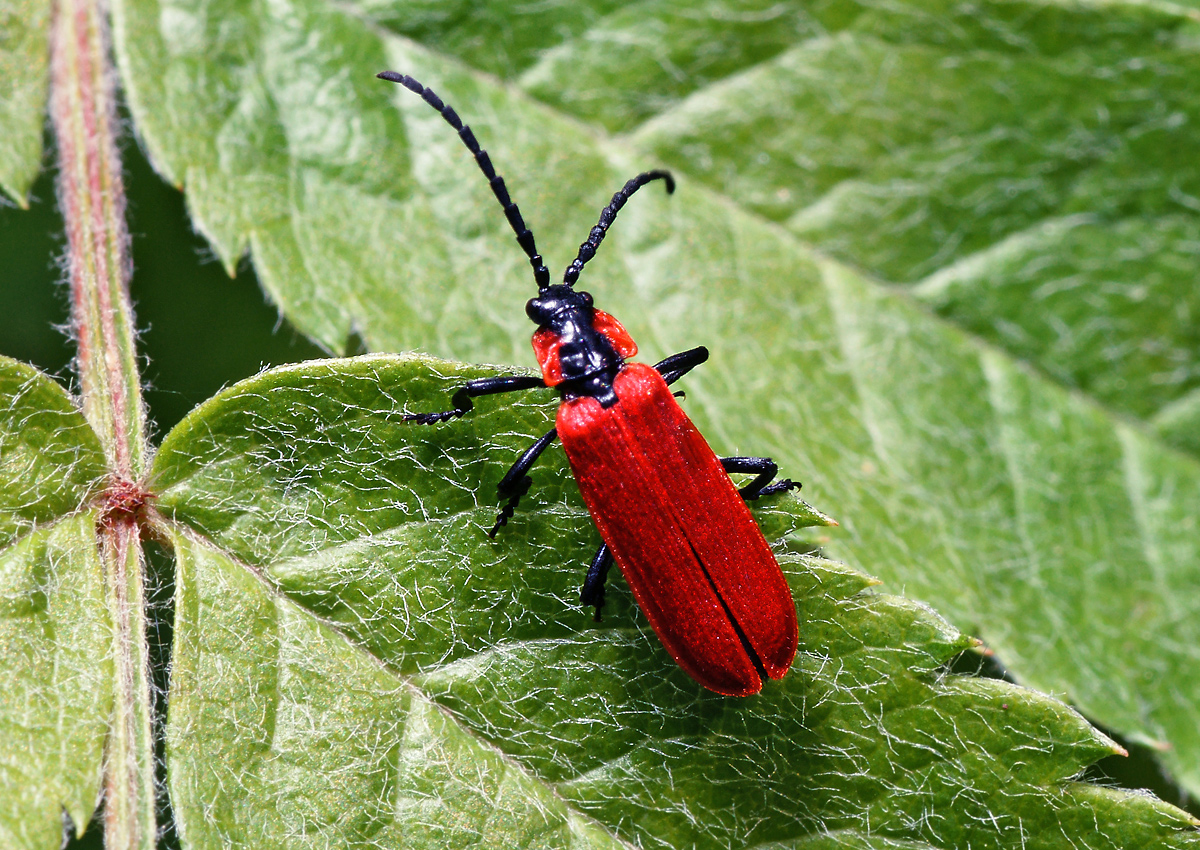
(473, 389)
(766, 470)
(597, 574)
(516, 481)
(678, 365)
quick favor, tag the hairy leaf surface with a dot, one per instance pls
(354, 655)
(55, 634)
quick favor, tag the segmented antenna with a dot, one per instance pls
(524, 234)
(588, 249)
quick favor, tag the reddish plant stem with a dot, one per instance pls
(129, 805)
(92, 198)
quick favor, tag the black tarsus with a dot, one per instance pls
(588, 249)
(473, 389)
(515, 482)
(592, 594)
(524, 235)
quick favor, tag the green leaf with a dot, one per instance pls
(928, 143)
(55, 633)
(279, 726)
(1179, 423)
(1028, 164)
(57, 682)
(1114, 312)
(355, 656)
(24, 73)
(50, 460)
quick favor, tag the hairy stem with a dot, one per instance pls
(129, 815)
(92, 197)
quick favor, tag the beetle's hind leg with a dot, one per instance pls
(473, 389)
(516, 481)
(592, 593)
(515, 484)
(765, 469)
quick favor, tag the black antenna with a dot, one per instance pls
(524, 234)
(588, 249)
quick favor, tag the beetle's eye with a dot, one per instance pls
(587, 298)
(534, 310)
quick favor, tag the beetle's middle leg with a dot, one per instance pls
(516, 481)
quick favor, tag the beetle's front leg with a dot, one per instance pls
(473, 389)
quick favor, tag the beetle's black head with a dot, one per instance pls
(556, 305)
(586, 360)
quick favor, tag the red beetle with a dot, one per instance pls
(662, 500)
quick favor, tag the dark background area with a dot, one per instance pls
(200, 330)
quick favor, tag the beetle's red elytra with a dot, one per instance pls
(663, 502)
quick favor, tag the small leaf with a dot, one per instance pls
(56, 675)
(56, 678)
(50, 460)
